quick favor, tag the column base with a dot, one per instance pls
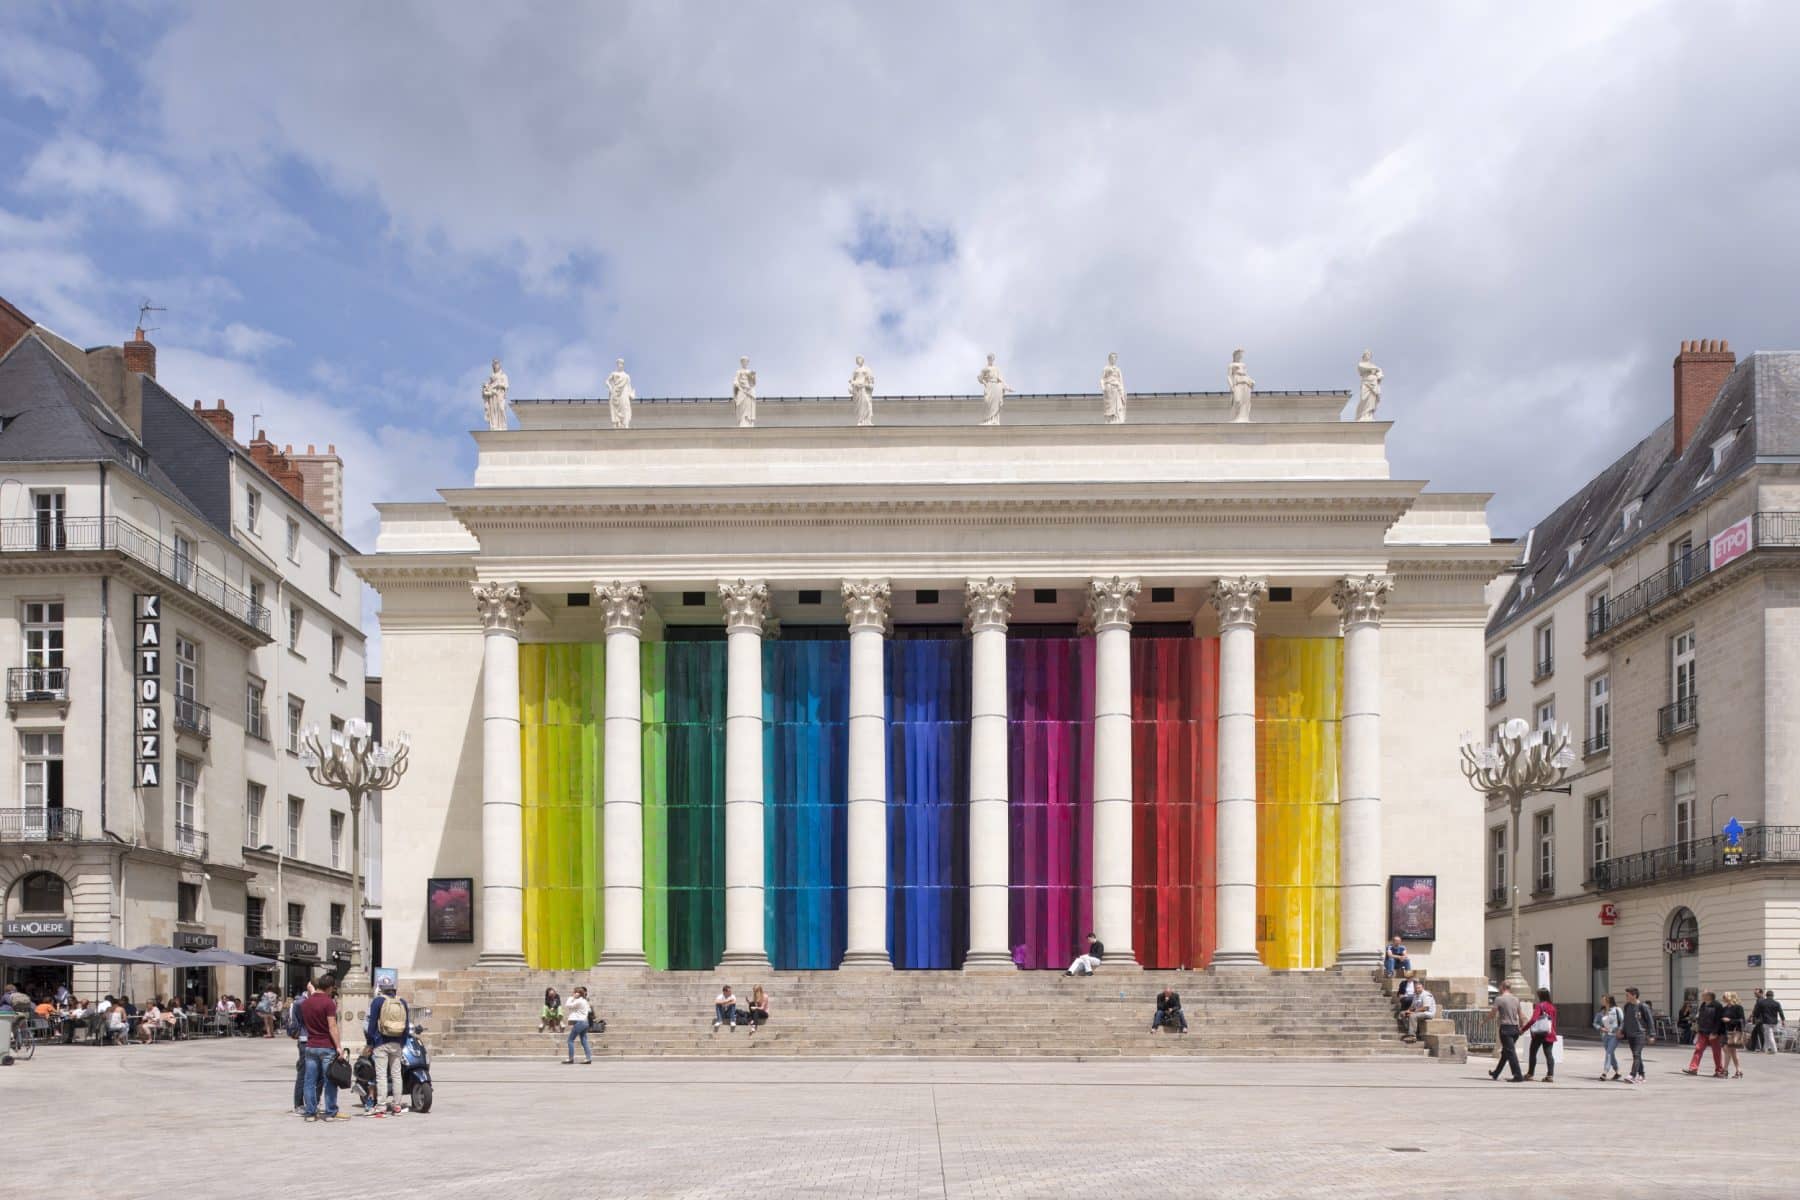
(866, 960)
(1235, 960)
(1359, 960)
(510, 960)
(622, 960)
(1125, 961)
(745, 960)
(989, 961)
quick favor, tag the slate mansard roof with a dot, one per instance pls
(1758, 408)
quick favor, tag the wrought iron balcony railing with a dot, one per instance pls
(1497, 896)
(1703, 856)
(1678, 717)
(1768, 529)
(1546, 667)
(29, 535)
(40, 825)
(190, 841)
(28, 685)
(1598, 744)
(1496, 695)
(193, 716)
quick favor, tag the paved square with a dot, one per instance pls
(205, 1119)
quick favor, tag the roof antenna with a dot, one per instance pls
(145, 308)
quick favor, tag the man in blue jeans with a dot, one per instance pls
(319, 1018)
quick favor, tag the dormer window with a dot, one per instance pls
(1720, 449)
(1629, 518)
(1574, 553)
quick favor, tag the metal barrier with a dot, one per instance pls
(1477, 1025)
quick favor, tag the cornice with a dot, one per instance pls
(1760, 560)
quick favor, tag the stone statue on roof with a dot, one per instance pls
(743, 394)
(1112, 391)
(1243, 388)
(493, 397)
(1370, 399)
(862, 392)
(993, 391)
(619, 395)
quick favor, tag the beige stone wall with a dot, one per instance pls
(1779, 719)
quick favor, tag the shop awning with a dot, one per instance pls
(14, 952)
(219, 957)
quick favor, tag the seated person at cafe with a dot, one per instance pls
(116, 1024)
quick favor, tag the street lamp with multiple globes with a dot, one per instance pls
(355, 763)
(1519, 762)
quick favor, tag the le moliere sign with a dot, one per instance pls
(1732, 542)
(147, 651)
(40, 927)
(195, 941)
(301, 950)
(262, 947)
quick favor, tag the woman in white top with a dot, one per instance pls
(580, 1014)
(1608, 1021)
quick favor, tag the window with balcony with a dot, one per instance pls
(256, 713)
(50, 510)
(254, 794)
(296, 720)
(1599, 824)
(256, 594)
(1683, 710)
(253, 916)
(252, 507)
(187, 903)
(296, 811)
(41, 777)
(184, 560)
(337, 654)
(1599, 714)
(337, 920)
(43, 675)
(1497, 677)
(1497, 864)
(296, 920)
(187, 806)
(1681, 784)
(333, 566)
(1681, 561)
(293, 540)
(1545, 826)
(337, 840)
(190, 714)
(1543, 642)
(1545, 714)
(1598, 605)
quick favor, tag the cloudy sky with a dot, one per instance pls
(346, 209)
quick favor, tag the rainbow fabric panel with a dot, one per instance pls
(806, 716)
(1175, 777)
(1298, 708)
(927, 682)
(684, 804)
(1050, 743)
(562, 691)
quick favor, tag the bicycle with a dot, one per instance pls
(23, 1044)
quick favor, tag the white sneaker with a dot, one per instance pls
(715, 1027)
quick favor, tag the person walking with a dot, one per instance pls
(1638, 1026)
(1507, 1016)
(324, 1045)
(580, 1016)
(1762, 1018)
(1168, 1010)
(1709, 1020)
(1732, 1026)
(1777, 1021)
(1542, 1024)
(1608, 1021)
(385, 1031)
(1684, 1022)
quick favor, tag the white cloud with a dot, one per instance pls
(244, 341)
(38, 70)
(76, 167)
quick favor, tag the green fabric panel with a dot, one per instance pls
(684, 804)
(562, 697)
(656, 809)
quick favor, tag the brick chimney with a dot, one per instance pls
(219, 417)
(1700, 371)
(324, 483)
(140, 354)
(264, 454)
(14, 325)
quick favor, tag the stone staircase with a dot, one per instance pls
(856, 1014)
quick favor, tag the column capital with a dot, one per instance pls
(1360, 601)
(866, 603)
(1237, 600)
(989, 603)
(622, 603)
(746, 604)
(1111, 603)
(502, 605)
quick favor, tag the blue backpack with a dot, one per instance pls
(293, 1027)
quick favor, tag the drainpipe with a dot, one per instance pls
(104, 611)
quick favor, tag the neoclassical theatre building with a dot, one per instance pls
(932, 693)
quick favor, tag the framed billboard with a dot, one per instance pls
(450, 910)
(1412, 907)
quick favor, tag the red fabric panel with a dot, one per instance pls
(1174, 761)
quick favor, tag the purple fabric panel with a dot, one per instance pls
(1050, 697)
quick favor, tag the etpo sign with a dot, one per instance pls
(1732, 542)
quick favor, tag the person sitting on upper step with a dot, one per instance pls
(1394, 960)
(1084, 964)
(1168, 1011)
(725, 1010)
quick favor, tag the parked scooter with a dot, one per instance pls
(415, 1065)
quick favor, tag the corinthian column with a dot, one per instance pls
(989, 608)
(622, 814)
(866, 608)
(1236, 601)
(746, 609)
(1110, 603)
(1361, 906)
(502, 607)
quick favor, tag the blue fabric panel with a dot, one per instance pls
(806, 701)
(928, 802)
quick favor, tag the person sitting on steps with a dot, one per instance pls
(1424, 1008)
(1394, 960)
(759, 1009)
(725, 1010)
(1168, 1011)
(1084, 964)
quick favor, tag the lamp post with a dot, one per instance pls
(1519, 762)
(354, 763)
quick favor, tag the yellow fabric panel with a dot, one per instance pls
(1298, 708)
(562, 700)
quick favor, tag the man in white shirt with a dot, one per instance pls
(725, 1010)
(1424, 1008)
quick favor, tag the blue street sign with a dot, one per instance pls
(1732, 831)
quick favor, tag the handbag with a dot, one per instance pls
(1735, 1038)
(340, 1074)
(1541, 1025)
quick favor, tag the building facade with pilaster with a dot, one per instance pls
(933, 694)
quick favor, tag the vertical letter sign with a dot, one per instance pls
(147, 651)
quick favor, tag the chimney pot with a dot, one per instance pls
(309, 448)
(140, 354)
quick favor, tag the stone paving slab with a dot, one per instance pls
(206, 1119)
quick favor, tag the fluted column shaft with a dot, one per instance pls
(990, 607)
(866, 901)
(502, 607)
(746, 608)
(1236, 601)
(1362, 904)
(1109, 612)
(622, 812)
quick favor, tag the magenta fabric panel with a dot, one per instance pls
(1050, 726)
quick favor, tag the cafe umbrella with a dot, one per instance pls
(18, 952)
(164, 956)
(101, 953)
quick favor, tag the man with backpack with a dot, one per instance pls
(385, 1031)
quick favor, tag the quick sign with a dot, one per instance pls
(1732, 542)
(1609, 914)
(147, 655)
